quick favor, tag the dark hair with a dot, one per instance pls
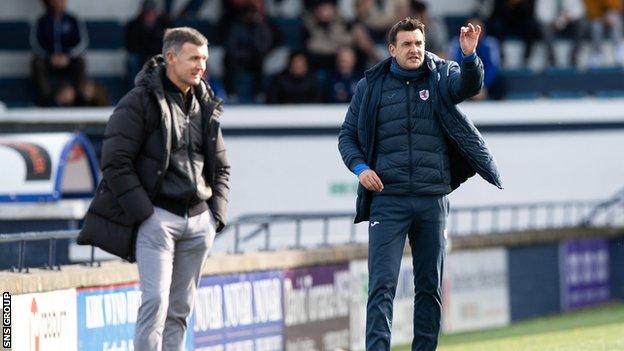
(408, 25)
(176, 37)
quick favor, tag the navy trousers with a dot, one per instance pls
(422, 219)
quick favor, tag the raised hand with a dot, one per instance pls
(469, 38)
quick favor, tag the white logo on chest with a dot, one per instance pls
(424, 94)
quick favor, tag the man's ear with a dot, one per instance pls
(169, 56)
(392, 50)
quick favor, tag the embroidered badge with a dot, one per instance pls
(424, 94)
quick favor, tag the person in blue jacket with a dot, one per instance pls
(59, 41)
(410, 146)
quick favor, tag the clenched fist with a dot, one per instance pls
(370, 180)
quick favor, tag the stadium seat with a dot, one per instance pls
(105, 35)
(289, 31)
(18, 40)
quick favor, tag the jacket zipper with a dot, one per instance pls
(189, 149)
(409, 134)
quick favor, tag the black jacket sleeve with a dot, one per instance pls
(348, 143)
(465, 82)
(221, 185)
(123, 139)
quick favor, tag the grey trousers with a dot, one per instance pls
(170, 252)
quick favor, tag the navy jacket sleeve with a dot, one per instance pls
(465, 82)
(348, 142)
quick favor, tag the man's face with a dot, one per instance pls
(409, 49)
(188, 65)
(58, 5)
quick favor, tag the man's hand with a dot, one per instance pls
(370, 180)
(59, 61)
(469, 38)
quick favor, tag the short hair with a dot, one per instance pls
(176, 37)
(408, 25)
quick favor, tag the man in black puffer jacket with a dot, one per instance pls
(165, 186)
(410, 146)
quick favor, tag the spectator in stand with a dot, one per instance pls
(376, 17)
(601, 13)
(557, 16)
(343, 80)
(515, 17)
(59, 41)
(144, 35)
(94, 95)
(436, 30)
(64, 95)
(248, 42)
(325, 32)
(488, 51)
(296, 85)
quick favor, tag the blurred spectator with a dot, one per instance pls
(488, 51)
(557, 16)
(215, 84)
(326, 31)
(601, 13)
(296, 85)
(248, 42)
(65, 95)
(94, 95)
(232, 9)
(435, 29)
(144, 37)
(375, 16)
(515, 17)
(343, 80)
(59, 41)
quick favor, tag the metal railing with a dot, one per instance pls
(466, 220)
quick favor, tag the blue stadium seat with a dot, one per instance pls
(289, 31)
(105, 35)
(18, 40)
(16, 92)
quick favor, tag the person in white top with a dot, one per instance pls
(555, 16)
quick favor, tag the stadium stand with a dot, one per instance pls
(106, 55)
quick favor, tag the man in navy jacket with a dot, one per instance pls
(59, 41)
(410, 146)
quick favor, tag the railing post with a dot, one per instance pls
(352, 231)
(532, 217)
(475, 221)
(22, 256)
(494, 227)
(92, 261)
(298, 233)
(454, 220)
(550, 214)
(236, 238)
(514, 218)
(325, 232)
(267, 237)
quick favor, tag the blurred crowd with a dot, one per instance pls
(333, 53)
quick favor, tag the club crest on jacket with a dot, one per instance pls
(424, 94)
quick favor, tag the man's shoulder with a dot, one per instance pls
(136, 98)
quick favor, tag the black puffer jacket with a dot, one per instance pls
(135, 155)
